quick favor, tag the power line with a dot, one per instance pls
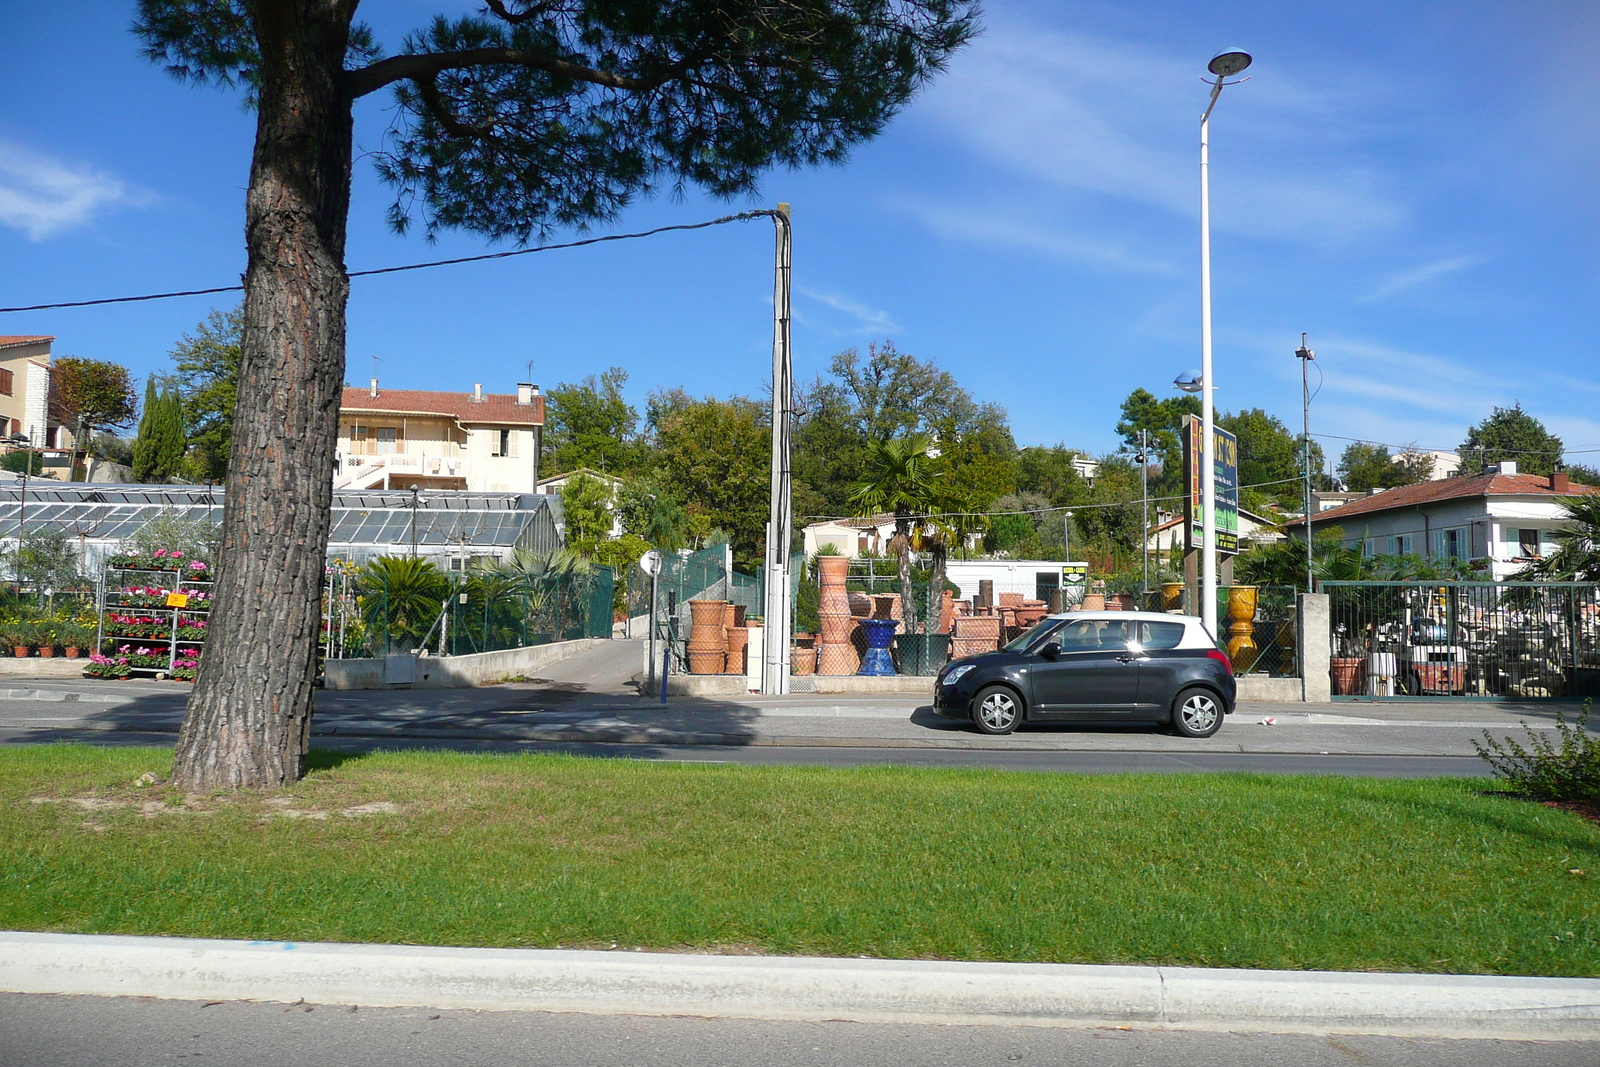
(743, 216)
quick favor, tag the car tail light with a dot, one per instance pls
(1221, 657)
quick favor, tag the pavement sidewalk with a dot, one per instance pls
(768, 987)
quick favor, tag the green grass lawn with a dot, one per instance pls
(450, 849)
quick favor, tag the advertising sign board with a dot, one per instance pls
(1225, 453)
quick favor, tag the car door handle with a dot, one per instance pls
(1124, 659)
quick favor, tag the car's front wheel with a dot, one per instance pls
(1197, 713)
(996, 710)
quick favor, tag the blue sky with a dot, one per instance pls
(1412, 184)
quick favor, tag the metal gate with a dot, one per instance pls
(1507, 640)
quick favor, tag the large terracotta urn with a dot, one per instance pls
(835, 652)
(738, 644)
(708, 636)
(1094, 602)
(1242, 649)
(803, 660)
(947, 611)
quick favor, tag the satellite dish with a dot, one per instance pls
(650, 562)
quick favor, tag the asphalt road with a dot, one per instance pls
(46, 1031)
(560, 715)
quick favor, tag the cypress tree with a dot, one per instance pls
(159, 448)
(143, 444)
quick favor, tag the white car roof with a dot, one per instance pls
(1145, 616)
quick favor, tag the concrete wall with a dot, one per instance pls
(454, 672)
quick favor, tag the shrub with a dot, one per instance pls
(1547, 771)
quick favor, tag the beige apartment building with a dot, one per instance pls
(399, 438)
(25, 406)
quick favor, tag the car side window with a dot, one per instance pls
(1159, 635)
(1094, 635)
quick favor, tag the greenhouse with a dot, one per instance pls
(448, 526)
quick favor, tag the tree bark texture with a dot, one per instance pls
(249, 718)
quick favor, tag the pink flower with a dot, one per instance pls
(160, 553)
(196, 565)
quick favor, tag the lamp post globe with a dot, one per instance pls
(1227, 64)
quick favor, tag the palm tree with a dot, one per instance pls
(400, 597)
(901, 478)
(1577, 554)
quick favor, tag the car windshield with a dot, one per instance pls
(1028, 638)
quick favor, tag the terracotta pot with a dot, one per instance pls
(47, 651)
(707, 631)
(837, 659)
(738, 645)
(947, 611)
(738, 615)
(1011, 600)
(1094, 602)
(1171, 596)
(831, 574)
(805, 641)
(707, 662)
(1347, 673)
(803, 660)
(21, 651)
(835, 627)
(886, 605)
(73, 651)
(860, 604)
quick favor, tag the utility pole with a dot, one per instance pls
(775, 646)
(413, 521)
(1305, 355)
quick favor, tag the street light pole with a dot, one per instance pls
(1066, 533)
(1223, 65)
(1144, 509)
(780, 520)
(1305, 355)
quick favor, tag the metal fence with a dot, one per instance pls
(1272, 632)
(455, 614)
(1522, 640)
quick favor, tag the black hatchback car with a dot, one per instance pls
(1112, 666)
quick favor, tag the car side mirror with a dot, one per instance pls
(1050, 651)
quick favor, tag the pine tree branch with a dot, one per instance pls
(427, 65)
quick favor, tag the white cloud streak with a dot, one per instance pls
(41, 196)
(1120, 121)
(868, 320)
(1401, 281)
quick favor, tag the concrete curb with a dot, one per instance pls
(768, 987)
(64, 696)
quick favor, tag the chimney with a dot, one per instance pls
(1559, 482)
(1506, 466)
(477, 392)
(374, 393)
(525, 391)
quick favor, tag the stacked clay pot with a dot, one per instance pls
(738, 645)
(708, 636)
(836, 654)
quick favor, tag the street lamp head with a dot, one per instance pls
(1303, 352)
(1190, 381)
(1227, 64)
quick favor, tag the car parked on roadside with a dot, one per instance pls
(1106, 666)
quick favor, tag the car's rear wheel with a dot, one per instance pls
(996, 710)
(1197, 713)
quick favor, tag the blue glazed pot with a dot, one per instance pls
(878, 632)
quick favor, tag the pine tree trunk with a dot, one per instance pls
(249, 717)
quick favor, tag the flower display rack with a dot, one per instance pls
(153, 614)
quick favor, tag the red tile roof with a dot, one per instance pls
(1487, 484)
(8, 340)
(496, 407)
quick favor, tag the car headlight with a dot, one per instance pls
(954, 673)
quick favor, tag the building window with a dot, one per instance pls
(505, 443)
(1528, 542)
(1400, 545)
(1450, 544)
(6, 380)
(1371, 547)
(387, 440)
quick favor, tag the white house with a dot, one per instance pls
(851, 537)
(552, 485)
(398, 438)
(1500, 516)
(1254, 529)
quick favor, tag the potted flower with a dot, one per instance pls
(102, 667)
(75, 637)
(45, 637)
(18, 637)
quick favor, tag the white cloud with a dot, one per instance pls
(1121, 121)
(1004, 229)
(1421, 275)
(41, 196)
(868, 320)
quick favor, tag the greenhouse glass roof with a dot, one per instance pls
(113, 512)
